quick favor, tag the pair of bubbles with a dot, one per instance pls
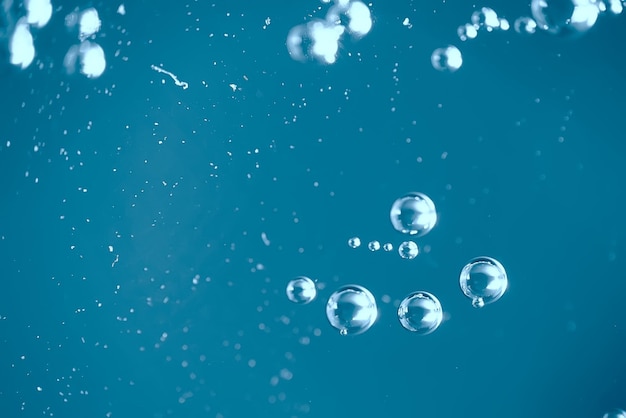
(352, 309)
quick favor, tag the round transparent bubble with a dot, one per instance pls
(615, 413)
(447, 59)
(354, 242)
(388, 246)
(413, 214)
(420, 312)
(373, 245)
(408, 250)
(483, 280)
(301, 290)
(352, 310)
(565, 17)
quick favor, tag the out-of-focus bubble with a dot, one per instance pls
(565, 17)
(467, 31)
(614, 7)
(485, 18)
(354, 242)
(615, 413)
(408, 250)
(373, 245)
(92, 60)
(301, 290)
(420, 312)
(71, 20)
(483, 280)
(21, 45)
(525, 25)
(446, 59)
(89, 23)
(388, 246)
(354, 15)
(352, 310)
(360, 19)
(413, 214)
(318, 40)
(38, 12)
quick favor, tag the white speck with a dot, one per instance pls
(266, 241)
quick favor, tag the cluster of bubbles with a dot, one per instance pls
(555, 17)
(352, 309)
(319, 39)
(87, 55)
(36, 14)
(413, 214)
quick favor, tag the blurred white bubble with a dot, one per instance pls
(89, 22)
(21, 45)
(39, 12)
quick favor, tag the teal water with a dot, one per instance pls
(148, 232)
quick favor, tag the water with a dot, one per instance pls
(153, 215)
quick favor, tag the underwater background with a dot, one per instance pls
(152, 216)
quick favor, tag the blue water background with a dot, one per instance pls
(183, 183)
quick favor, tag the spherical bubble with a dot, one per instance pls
(565, 17)
(373, 245)
(388, 246)
(420, 312)
(413, 214)
(615, 413)
(483, 280)
(408, 250)
(352, 310)
(301, 290)
(354, 242)
(447, 59)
